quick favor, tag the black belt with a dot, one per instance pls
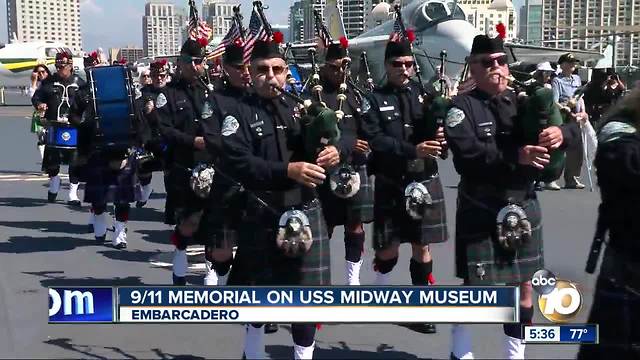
(494, 191)
(290, 198)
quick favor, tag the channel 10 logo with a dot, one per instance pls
(74, 305)
(559, 300)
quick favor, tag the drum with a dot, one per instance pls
(61, 136)
(113, 97)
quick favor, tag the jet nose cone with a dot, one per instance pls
(457, 31)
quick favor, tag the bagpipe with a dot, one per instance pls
(538, 112)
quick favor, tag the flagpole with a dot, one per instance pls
(267, 26)
(415, 60)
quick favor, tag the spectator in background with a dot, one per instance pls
(40, 72)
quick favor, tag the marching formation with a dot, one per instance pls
(252, 164)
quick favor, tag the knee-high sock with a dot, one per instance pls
(461, 341)
(383, 269)
(180, 263)
(54, 184)
(303, 340)
(513, 345)
(254, 342)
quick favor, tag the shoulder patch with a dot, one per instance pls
(229, 126)
(454, 117)
(615, 130)
(161, 101)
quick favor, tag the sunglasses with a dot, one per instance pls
(333, 67)
(160, 76)
(61, 66)
(488, 62)
(146, 76)
(277, 70)
(398, 64)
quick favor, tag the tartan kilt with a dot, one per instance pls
(392, 223)
(183, 201)
(476, 242)
(54, 157)
(357, 209)
(221, 219)
(258, 260)
(105, 185)
(616, 309)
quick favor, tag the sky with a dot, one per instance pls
(118, 23)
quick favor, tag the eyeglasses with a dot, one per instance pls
(399, 64)
(277, 70)
(487, 61)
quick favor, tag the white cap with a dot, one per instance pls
(544, 66)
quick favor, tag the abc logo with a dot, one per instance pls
(559, 300)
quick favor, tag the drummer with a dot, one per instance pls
(107, 168)
(54, 98)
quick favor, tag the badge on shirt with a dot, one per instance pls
(366, 105)
(207, 112)
(161, 101)
(454, 117)
(230, 126)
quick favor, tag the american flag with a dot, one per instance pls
(397, 34)
(197, 29)
(232, 35)
(257, 31)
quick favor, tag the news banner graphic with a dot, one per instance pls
(561, 334)
(490, 304)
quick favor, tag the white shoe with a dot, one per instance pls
(211, 277)
(100, 225)
(352, 272)
(119, 239)
(513, 348)
(382, 279)
(303, 352)
(73, 192)
(461, 341)
(552, 186)
(146, 192)
(41, 149)
(54, 184)
(180, 263)
(254, 342)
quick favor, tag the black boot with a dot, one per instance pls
(270, 328)
(74, 203)
(426, 328)
(51, 197)
(179, 280)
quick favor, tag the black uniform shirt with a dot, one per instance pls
(51, 92)
(484, 138)
(259, 140)
(394, 125)
(179, 109)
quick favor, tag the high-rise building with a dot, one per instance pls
(531, 22)
(309, 21)
(355, 14)
(588, 25)
(484, 15)
(218, 14)
(161, 29)
(296, 22)
(45, 20)
(129, 53)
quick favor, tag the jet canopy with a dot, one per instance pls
(432, 12)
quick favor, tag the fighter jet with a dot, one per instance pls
(18, 59)
(438, 25)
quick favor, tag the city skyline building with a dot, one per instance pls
(45, 20)
(161, 29)
(589, 25)
(484, 15)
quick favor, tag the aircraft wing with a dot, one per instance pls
(537, 54)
